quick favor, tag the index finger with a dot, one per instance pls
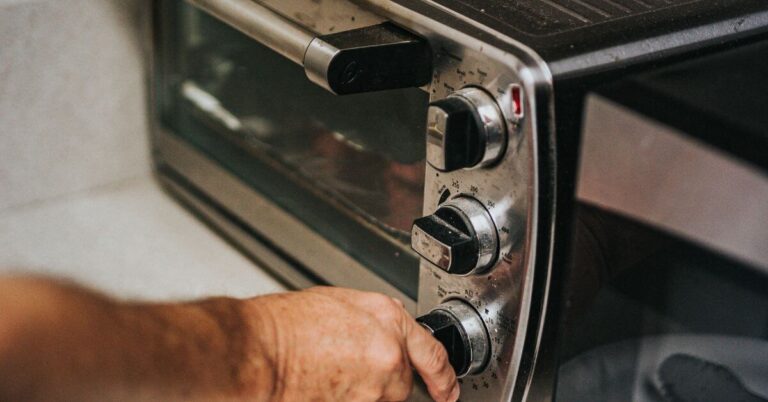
(430, 359)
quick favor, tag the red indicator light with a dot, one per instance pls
(516, 92)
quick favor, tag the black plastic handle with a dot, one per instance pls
(374, 58)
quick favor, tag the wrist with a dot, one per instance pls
(203, 350)
(250, 352)
(260, 366)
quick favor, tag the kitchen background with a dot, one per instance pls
(77, 197)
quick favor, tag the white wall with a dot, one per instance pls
(72, 97)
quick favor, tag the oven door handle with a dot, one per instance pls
(374, 58)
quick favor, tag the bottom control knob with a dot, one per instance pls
(461, 330)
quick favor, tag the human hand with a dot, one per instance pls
(333, 344)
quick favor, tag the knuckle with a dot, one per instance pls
(389, 317)
(387, 309)
(382, 301)
(390, 360)
(399, 303)
(386, 356)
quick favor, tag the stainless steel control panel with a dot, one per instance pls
(477, 237)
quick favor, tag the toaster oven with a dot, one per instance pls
(515, 172)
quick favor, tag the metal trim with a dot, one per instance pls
(317, 59)
(262, 24)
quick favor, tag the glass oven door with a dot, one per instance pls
(349, 168)
(655, 319)
(667, 295)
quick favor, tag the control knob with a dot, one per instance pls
(464, 130)
(459, 238)
(460, 329)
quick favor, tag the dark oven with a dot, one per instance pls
(572, 195)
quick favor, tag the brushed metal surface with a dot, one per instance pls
(502, 293)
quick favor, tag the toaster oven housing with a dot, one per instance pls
(531, 62)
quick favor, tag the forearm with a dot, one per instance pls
(63, 343)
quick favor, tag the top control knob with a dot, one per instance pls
(464, 130)
(459, 238)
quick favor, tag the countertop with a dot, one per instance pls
(129, 239)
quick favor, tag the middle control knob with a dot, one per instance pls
(465, 130)
(459, 238)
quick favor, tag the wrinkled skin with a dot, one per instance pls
(60, 342)
(334, 344)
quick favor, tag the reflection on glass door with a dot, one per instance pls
(651, 318)
(350, 167)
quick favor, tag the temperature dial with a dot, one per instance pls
(464, 130)
(461, 330)
(459, 238)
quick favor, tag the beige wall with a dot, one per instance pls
(72, 97)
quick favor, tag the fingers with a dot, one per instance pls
(430, 359)
(425, 353)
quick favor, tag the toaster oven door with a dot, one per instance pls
(329, 183)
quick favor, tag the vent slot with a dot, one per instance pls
(546, 17)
